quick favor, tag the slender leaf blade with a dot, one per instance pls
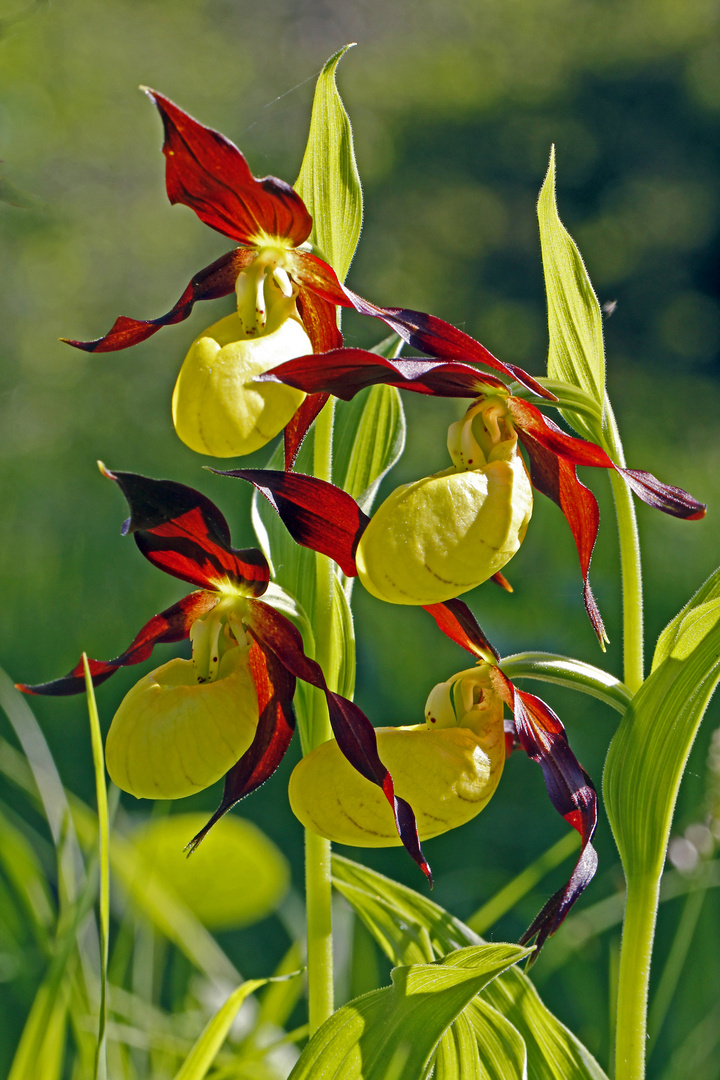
(329, 182)
(205, 1050)
(576, 353)
(370, 437)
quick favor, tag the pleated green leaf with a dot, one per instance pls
(502, 1048)
(576, 353)
(395, 1031)
(206, 1048)
(329, 183)
(457, 1056)
(408, 920)
(648, 754)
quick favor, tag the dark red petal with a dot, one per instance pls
(556, 477)
(297, 428)
(316, 514)
(275, 689)
(353, 731)
(319, 317)
(207, 172)
(671, 500)
(179, 530)
(424, 332)
(457, 622)
(214, 281)
(344, 372)
(173, 624)
(543, 738)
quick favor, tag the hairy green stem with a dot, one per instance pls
(635, 954)
(318, 876)
(630, 564)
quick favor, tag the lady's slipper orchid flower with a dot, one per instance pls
(397, 564)
(450, 766)
(228, 711)
(286, 301)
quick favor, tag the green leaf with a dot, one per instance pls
(329, 183)
(206, 1048)
(553, 1052)
(648, 754)
(366, 1038)
(457, 1056)
(41, 1049)
(23, 870)
(104, 861)
(576, 353)
(369, 439)
(502, 1048)
(248, 874)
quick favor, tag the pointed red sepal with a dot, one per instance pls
(183, 533)
(275, 687)
(353, 731)
(207, 172)
(214, 281)
(425, 332)
(543, 738)
(555, 476)
(344, 372)
(457, 622)
(502, 581)
(298, 426)
(173, 624)
(317, 515)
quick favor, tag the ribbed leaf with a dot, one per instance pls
(576, 353)
(398, 1028)
(409, 919)
(457, 1056)
(329, 183)
(502, 1048)
(648, 754)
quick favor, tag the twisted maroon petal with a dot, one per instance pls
(543, 738)
(298, 426)
(214, 281)
(344, 372)
(275, 687)
(317, 515)
(457, 622)
(425, 332)
(207, 172)
(182, 532)
(353, 731)
(173, 624)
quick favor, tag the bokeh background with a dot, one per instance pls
(455, 104)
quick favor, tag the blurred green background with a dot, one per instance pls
(455, 104)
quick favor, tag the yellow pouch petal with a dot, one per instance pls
(217, 408)
(447, 775)
(173, 736)
(445, 534)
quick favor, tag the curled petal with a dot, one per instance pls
(344, 372)
(353, 731)
(316, 514)
(543, 738)
(425, 332)
(671, 500)
(457, 622)
(173, 624)
(184, 533)
(207, 172)
(275, 687)
(214, 281)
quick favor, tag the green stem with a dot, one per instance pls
(574, 674)
(318, 875)
(636, 951)
(630, 563)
